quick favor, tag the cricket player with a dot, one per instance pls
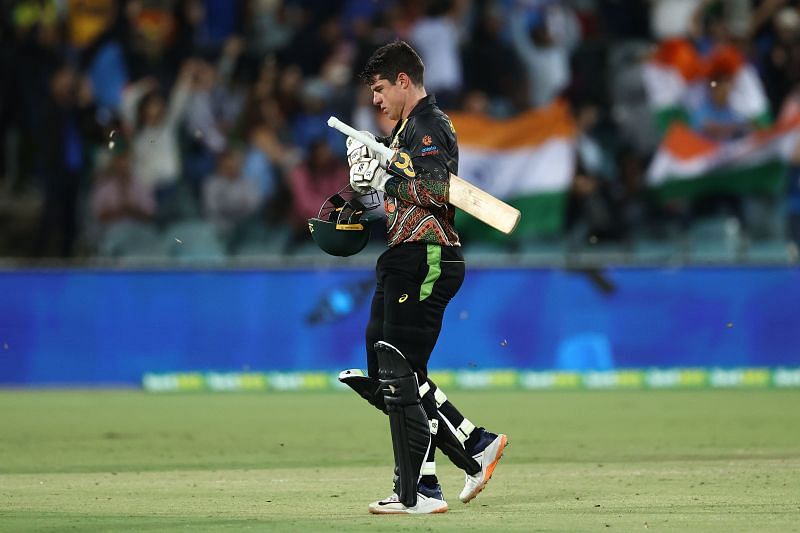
(416, 278)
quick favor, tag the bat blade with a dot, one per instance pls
(483, 206)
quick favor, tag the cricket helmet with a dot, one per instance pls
(343, 224)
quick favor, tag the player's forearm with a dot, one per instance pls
(422, 191)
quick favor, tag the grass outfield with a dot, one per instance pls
(578, 461)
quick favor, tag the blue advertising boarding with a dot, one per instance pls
(73, 327)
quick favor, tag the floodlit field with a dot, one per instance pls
(578, 461)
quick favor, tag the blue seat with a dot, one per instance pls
(130, 239)
(770, 251)
(650, 250)
(717, 239)
(193, 240)
(259, 240)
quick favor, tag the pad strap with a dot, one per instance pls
(365, 386)
(464, 430)
(446, 437)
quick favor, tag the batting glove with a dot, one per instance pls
(367, 174)
(357, 150)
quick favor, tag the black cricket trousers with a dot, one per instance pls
(415, 282)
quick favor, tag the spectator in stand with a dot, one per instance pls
(713, 116)
(267, 26)
(476, 102)
(365, 115)
(94, 32)
(437, 39)
(288, 91)
(316, 33)
(202, 26)
(312, 122)
(674, 18)
(69, 127)
(636, 209)
(230, 200)
(544, 38)
(265, 129)
(312, 182)
(86, 21)
(155, 124)
(491, 65)
(589, 150)
(150, 43)
(269, 154)
(117, 196)
(213, 107)
(32, 36)
(782, 62)
(593, 209)
(371, 28)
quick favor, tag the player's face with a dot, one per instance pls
(390, 98)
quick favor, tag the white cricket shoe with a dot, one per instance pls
(491, 448)
(429, 500)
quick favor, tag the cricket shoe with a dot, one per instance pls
(487, 452)
(429, 500)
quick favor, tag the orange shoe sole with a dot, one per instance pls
(490, 470)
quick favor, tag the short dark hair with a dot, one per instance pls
(390, 60)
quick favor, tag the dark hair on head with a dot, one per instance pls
(149, 96)
(388, 61)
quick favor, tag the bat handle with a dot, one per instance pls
(366, 140)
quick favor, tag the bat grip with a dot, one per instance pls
(361, 137)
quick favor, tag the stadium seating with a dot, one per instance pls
(193, 240)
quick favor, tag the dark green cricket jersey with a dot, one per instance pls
(417, 207)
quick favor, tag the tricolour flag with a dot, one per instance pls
(676, 76)
(667, 75)
(527, 161)
(688, 164)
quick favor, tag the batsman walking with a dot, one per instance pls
(416, 278)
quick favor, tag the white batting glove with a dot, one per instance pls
(357, 150)
(367, 174)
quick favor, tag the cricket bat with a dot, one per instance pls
(464, 195)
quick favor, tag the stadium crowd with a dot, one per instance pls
(198, 127)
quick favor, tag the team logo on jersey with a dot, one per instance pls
(427, 140)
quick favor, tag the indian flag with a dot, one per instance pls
(676, 76)
(688, 164)
(527, 161)
(667, 75)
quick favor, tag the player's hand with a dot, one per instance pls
(367, 173)
(357, 150)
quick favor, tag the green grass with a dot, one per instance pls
(578, 461)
